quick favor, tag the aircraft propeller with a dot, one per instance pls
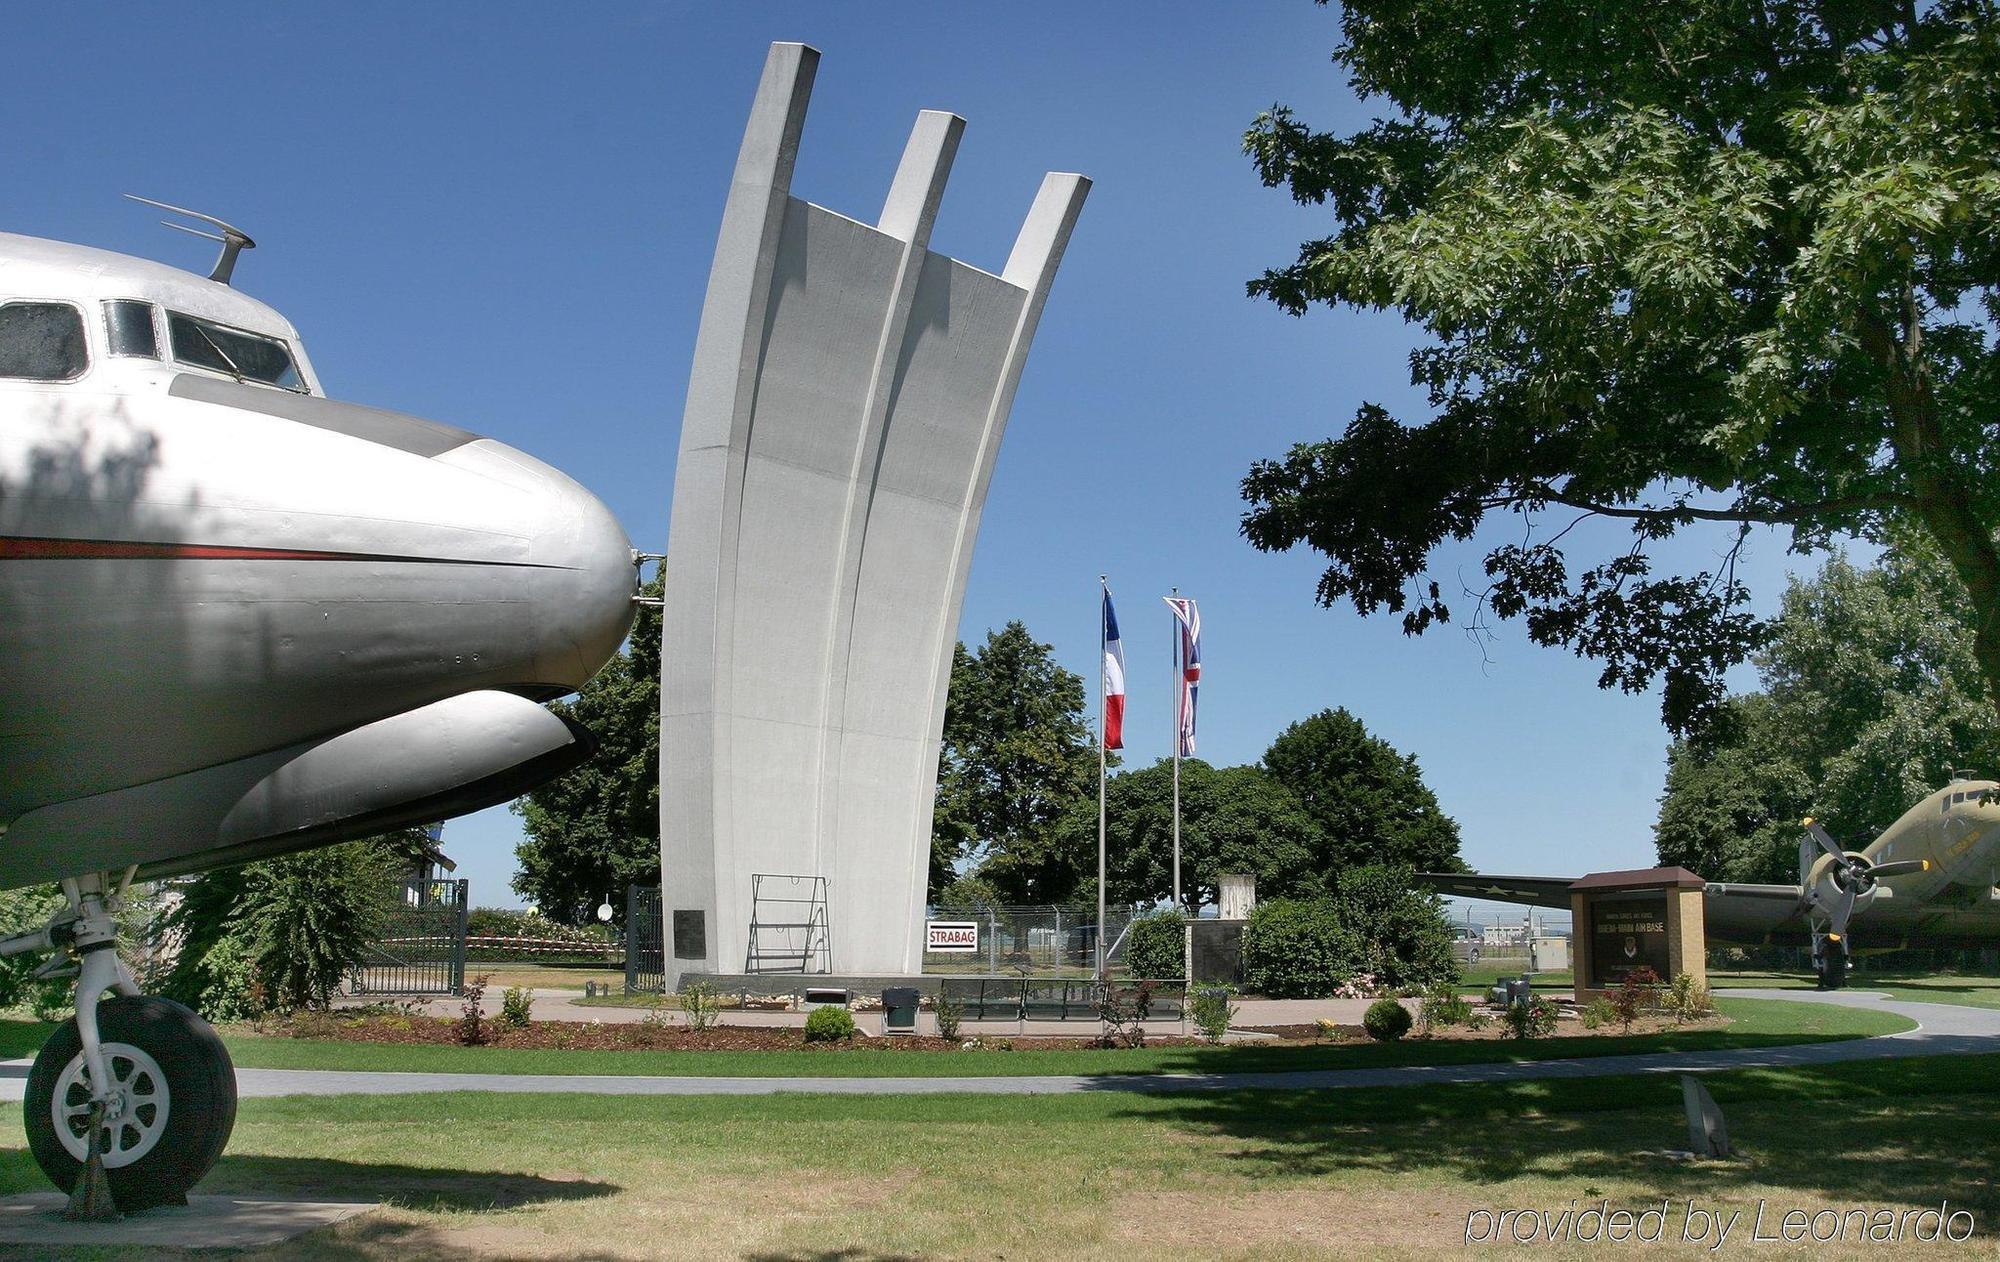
(1853, 874)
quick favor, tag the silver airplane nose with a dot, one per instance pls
(579, 577)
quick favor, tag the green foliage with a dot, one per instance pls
(1443, 1005)
(829, 1025)
(967, 896)
(221, 983)
(701, 1003)
(1297, 949)
(1212, 1012)
(301, 921)
(1598, 1013)
(517, 1007)
(1155, 945)
(596, 829)
(1369, 802)
(1680, 264)
(1386, 1020)
(1688, 998)
(1233, 819)
(1404, 936)
(1531, 1018)
(22, 910)
(1870, 697)
(949, 1013)
(1017, 756)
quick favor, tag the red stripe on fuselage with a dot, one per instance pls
(17, 548)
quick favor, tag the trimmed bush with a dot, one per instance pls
(1297, 949)
(829, 1025)
(1404, 937)
(1386, 1020)
(1212, 1012)
(1531, 1018)
(1154, 945)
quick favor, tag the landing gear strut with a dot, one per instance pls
(1830, 960)
(130, 1101)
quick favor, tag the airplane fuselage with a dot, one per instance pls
(204, 560)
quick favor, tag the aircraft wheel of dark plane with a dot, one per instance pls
(167, 1117)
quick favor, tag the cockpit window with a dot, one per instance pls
(129, 326)
(244, 356)
(42, 341)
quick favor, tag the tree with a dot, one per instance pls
(1369, 801)
(1017, 756)
(1871, 696)
(281, 933)
(1233, 819)
(596, 829)
(1730, 262)
(1403, 935)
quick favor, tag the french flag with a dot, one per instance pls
(1114, 679)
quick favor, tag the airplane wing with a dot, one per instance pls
(1537, 891)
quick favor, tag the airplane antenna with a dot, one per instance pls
(233, 239)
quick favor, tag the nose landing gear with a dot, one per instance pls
(134, 1095)
(1830, 960)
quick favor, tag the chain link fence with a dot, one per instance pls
(1030, 941)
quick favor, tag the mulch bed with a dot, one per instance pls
(1496, 1028)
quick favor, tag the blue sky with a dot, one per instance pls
(502, 215)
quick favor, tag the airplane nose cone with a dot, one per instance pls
(579, 580)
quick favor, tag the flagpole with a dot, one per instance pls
(1103, 682)
(1176, 708)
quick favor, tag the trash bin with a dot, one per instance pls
(899, 1010)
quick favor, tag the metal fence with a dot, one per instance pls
(420, 949)
(645, 941)
(1032, 941)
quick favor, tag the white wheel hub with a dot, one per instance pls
(134, 1117)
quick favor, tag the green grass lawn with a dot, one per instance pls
(1977, 992)
(1249, 1174)
(1755, 1023)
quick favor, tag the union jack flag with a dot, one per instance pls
(1189, 618)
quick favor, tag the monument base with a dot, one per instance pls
(205, 1222)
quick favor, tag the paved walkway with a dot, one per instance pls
(1944, 1029)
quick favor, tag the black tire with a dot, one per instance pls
(201, 1100)
(1472, 957)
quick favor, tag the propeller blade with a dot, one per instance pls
(1826, 841)
(1841, 912)
(1902, 867)
(1806, 855)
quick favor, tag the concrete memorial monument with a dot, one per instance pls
(849, 392)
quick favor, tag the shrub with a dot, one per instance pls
(1634, 995)
(829, 1025)
(1687, 998)
(471, 1023)
(1297, 949)
(700, 1002)
(1598, 1013)
(1329, 1028)
(1531, 1018)
(1386, 1020)
(1212, 1012)
(517, 1007)
(1443, 1005)
(1402, 934)
(949, 1013)
(1154, 946)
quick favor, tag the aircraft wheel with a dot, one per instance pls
(173, 1113)
(1832, 971)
